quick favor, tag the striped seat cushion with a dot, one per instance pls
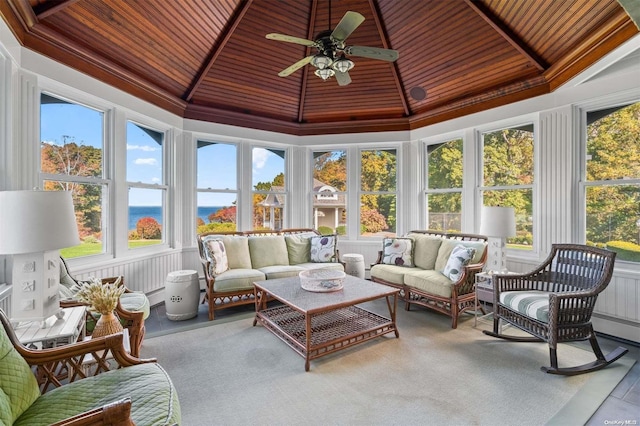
(534, 304)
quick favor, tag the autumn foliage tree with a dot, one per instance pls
(224, 215)
(148, 228)
(71, 159)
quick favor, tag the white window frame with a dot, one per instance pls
(425, 178)
(582, 182)
(236, 191)
(107, 179)
(529, 120)
(165, 186)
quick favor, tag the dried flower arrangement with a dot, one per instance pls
(103, 297)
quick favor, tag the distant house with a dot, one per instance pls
(329, 207)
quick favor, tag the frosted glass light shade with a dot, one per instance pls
(498, 222)
(36, 221)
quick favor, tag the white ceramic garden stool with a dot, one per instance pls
(182, 295)
(354, 264)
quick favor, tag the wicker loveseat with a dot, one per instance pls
(417, 262)
(86, 383)
(233, 261)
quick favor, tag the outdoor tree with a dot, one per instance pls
(71, 159)
(223, 215)
(148, 228)
(613, 150)
(331, 168)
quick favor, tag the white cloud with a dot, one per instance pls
(260, 157)
(146, 161)
(146, 148)
(155, 180)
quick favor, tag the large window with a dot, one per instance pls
(444, 185)
(269, 190)
(329, 191)
(72, 159)
(217, 187)
(612, 180)
(507, 177)
(147, 187)
(378, 176)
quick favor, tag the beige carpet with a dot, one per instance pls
(231, 373)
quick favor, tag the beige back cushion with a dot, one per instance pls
(237, 249)
(425, 250)
(268, 251)
(447, 247)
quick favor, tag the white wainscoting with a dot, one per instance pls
(146, 273)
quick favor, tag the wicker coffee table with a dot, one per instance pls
(317, 324)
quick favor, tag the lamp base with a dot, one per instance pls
(496, 257)
(34, 293)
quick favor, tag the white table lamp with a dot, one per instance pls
(497, 223)
(34, 225)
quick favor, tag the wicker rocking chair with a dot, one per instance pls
(554, 302)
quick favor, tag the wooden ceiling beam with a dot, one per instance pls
(394, 68)
(305, 75)
(217, 48)
(507, 34)
(45, 11)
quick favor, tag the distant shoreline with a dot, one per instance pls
(138, 212)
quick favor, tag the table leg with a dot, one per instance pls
(260, 298)
(307, 362)
(392, 312)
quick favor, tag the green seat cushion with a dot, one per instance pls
(431, 282)
(391, 273)
(153, 398)
(534, 304)
(281, 271)
(135, 302)
(18, 386)
(237, 280)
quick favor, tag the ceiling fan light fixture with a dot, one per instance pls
(343, 64)
(325, 73)
(321, 61)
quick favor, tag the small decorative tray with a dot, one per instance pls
(322, 280)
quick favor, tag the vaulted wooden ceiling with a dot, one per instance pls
(209, 59)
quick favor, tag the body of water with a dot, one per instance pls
(138, 212)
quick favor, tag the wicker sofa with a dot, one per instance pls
(425, 267)
(233, 261)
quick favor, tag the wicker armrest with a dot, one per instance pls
(467, 280)
(117, 413)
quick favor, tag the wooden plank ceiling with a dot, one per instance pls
(209, 59)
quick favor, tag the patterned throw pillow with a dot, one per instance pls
(397, 251)
(460, 256)
(323, 248)
(217, 257)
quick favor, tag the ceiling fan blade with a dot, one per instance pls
(290, 39)
(389, 55)
(343, 78)
(292, 68)
(349, 22)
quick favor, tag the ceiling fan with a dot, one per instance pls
(331, 58)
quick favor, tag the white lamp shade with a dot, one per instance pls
(498, 222)
(36, 221)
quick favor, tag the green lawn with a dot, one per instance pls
(87, 249)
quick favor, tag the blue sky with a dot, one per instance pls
(216, 163)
